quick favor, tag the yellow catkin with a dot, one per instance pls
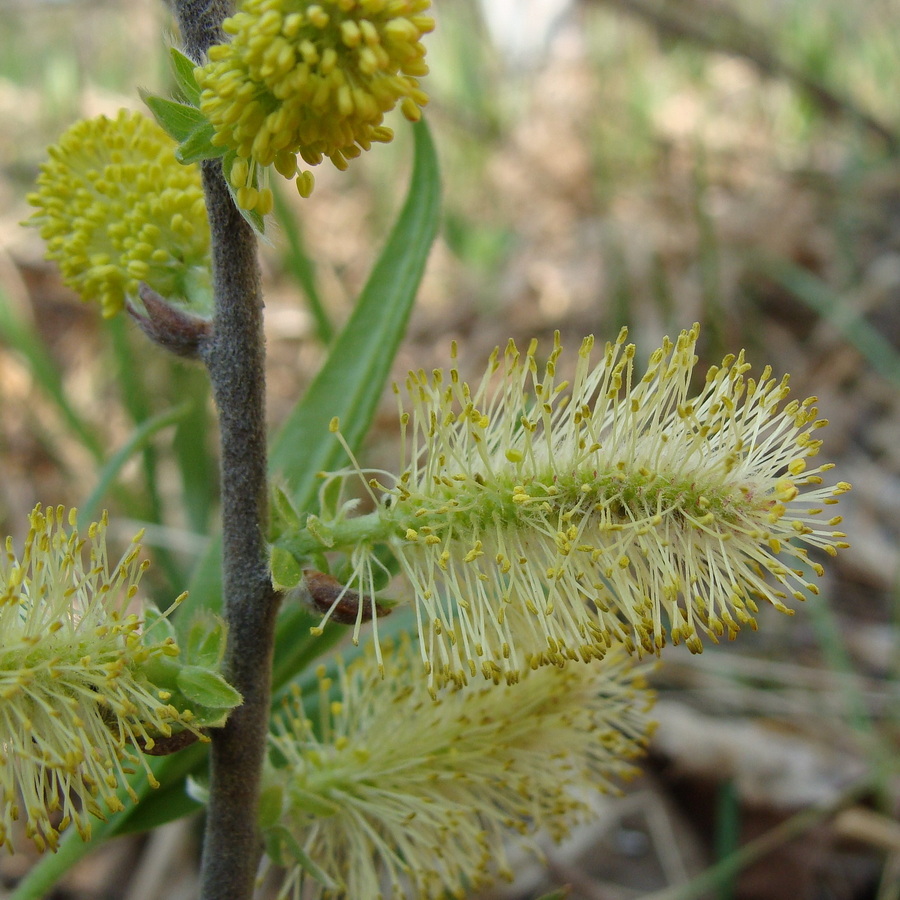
(301, 82)
(540, 521)
(389, 773)
(75, 700)
(116, 208)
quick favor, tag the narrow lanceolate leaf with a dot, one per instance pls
(350, 383)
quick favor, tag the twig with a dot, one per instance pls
(235, 358)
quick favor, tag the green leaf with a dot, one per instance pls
(283, 517)
(197, 788)
(198, 145)
(209, 689)
(137, 393)
(271, 804)
(350, 383)
(161, 807)
(205, 588)
(169, 801)
(23, 339)
(205, 644)
(162, 672)
(183, 68)
(848, 321)
(287, 573)
(178, 120)
(157, 627)
(192, 448)
(295, 647)
(279, 835)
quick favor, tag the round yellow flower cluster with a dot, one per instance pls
(116, 209)
(312, 80)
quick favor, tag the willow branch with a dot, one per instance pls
(235, 358)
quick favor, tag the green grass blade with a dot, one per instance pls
(136, 391)
(139, 440)
(725, 870)
(727, 832)
(22, 338)
(350, 383)
(817, 295)
(135, 395)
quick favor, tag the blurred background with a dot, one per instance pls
(605, 162)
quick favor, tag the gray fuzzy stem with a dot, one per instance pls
(200, 22)
(235, 358)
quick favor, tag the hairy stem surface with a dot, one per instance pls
(235, 358)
